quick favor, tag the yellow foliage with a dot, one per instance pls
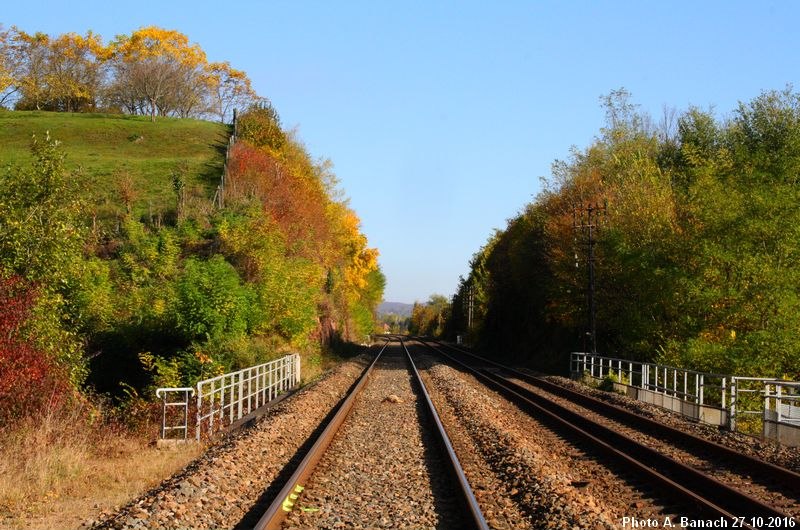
(361, 260)
(155, 42)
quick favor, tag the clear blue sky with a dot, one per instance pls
(440, 117)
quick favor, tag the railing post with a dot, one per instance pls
(231, 401)
(685, 386)
(241, 393)
(269, 388)
(249, 390)
(284, 374)
(702, 387)
(199, 411)
(262, 384)
(164, 415)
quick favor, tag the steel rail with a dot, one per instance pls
(285, 499)
(788, 477)
(608, 441)
(476, 517)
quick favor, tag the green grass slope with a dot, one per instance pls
(112, 149)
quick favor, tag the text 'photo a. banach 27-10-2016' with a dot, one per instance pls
(352, 265)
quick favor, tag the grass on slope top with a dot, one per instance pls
(110, 149)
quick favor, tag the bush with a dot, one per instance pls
(212, 301)
(607, 383)
(29, 379)
(261, 126)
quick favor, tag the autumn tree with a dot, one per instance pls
(158, 72)
(429, 318)
(697, 258)
(29, 55)
(228, 89)
(7, 71)
(152, 71)
(75, 72)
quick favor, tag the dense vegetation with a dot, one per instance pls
(119, 272)
(698, 255)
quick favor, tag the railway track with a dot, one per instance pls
(609, 430)
(370, 467)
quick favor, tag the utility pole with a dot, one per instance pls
(586, 219)
(471, 304)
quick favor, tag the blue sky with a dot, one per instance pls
(440, 117)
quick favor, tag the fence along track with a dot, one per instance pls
(765, 469)
(226, 398)
(711, 497)
(289, 494)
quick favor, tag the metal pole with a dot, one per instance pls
(592, 323)
(588, 225)
(470, 302)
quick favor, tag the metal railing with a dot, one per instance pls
(747, 404)
(224, 399)
(750, 403)
(166, 424)
(229, 397)
(783, 398)
(701, 388)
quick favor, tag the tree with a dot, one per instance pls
(429, 318)
(41, 241)
(29, 55)
(74, 72)
(7, 69)
(44, 73)
(229, 89)
(158, 72)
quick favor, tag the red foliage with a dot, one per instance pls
(296, 202)
(29, 380)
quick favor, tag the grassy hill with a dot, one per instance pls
(112, 149)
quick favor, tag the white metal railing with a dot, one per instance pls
(747, 407)
(226, 398)
(701, 388)
(229, 397)
(749, 402)
(167, 423)
(783, 399)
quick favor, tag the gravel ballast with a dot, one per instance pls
(781, 455)
(226, 486)
(384, 468)
(553, 483)
(772, 492)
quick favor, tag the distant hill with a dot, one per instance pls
(397, 308)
